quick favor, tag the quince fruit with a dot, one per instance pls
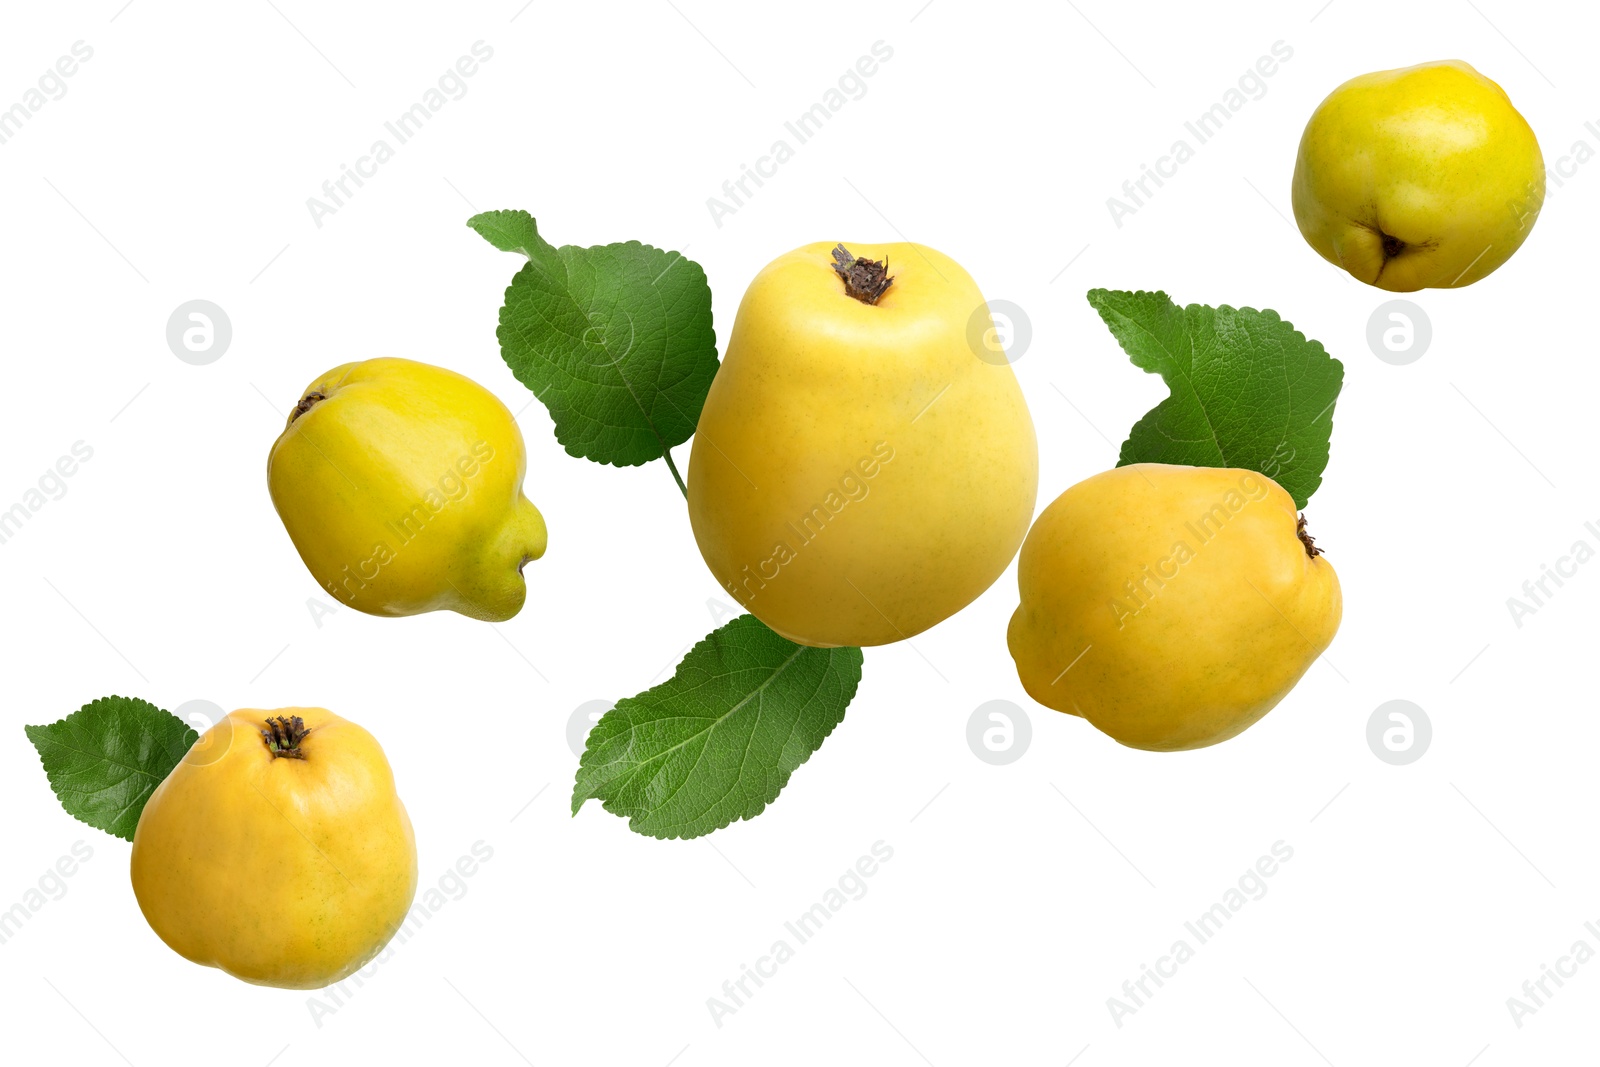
(1419, 178)
(277, 850)
(864, 465)
(1170, 606)
(400, 484)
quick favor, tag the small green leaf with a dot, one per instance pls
(615, 340)
(509, 231)
(105, 759)
(718, 740)
(1248, 390)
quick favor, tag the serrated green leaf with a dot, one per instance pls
(1248, 389)
(719, 739)
(615, 340)
(509, 231)
(105, 759)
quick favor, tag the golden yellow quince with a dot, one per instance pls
(1423, 177)
(864, 465)
(1170, 606)
(277, 850)
(400, 484)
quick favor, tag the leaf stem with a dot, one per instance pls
(673, 467)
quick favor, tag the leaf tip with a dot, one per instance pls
(508, 229)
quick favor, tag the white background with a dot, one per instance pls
(1019, 898)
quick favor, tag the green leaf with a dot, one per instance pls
(105, 759)
(719, 739)
(509, 231)
(1248, 390)
(615, 340)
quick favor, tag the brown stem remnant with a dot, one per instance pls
(1312, 551)
(283, 736)
(863, 278)
(307, 402)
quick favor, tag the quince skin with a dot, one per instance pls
(400, 484)
(1170, 606)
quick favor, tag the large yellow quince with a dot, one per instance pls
(864, 465)
(277, 850)
(400, 484)
(1170, 606)
(1419, 178)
